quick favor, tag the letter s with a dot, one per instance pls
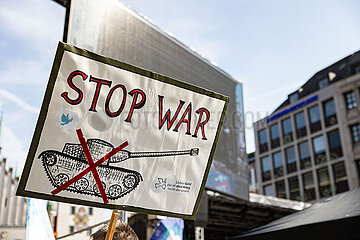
(71, 84)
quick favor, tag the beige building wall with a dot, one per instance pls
(72, 218)
(345, 118)
(13, 209)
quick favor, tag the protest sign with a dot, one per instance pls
(116, 136)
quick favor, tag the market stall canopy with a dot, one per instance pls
(337, 217)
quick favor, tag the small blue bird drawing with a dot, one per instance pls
(65, 119)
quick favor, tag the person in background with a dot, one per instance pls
(122, 232)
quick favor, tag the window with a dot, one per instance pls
(250, 178)
(287, 130)
(357, 68)
(265, 165)
(274, 135)
(323, 83)
(309, 186)
(293, 98)
(89, 231)
(72, 210)
(300, 125)
(304, 155)
(71, 229)
(334, 144)
(278, 165)
(350, 100)
(324, 182)
(263, 141)
(268, 191)
(251, 157)
(314, 119)
(280, 189)
(90, 211)
(294, 189)
(319, 150)
(340, 178)
(355, 132)
(290, 160)
(358, 169)
(329, 113)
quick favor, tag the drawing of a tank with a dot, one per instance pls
(60, 167)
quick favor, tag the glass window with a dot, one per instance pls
(290, 160)
(334, 144)
(250, 178)
(300, 120)
(329, 113)
(72, 210)
(323, 82)
(319, 149)
(263, 141)
(293, 97)
(277, 160)
(274, 135)
(314, 115)
(262, 136)
(329, 108)
(300, 125)
(309, 186)
(350, 100)
(324, 182)
(268, 190)
(90, 211)
(319, 145)
(340, 178)
(355, 132)
(278, 165)
(304, 155)
(280, 189)
(274, 130)
(287, 130)
(294, 189)
(265, 161)
(357, 69)
(265, 165)
(358, 169)
(71, 229)
(314, 119)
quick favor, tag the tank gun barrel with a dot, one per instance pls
(191, 152)
(125, 155)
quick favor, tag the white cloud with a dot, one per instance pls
(284, 91)
(25, 73)
(4, 94)
(13, 149)
(33, 21)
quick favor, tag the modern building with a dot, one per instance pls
(13, 209)
(253, 183)
(309, 147)
(117, 31)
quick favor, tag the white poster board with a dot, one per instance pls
(115, 136)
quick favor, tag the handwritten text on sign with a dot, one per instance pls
(137, 102)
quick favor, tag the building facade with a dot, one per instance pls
(13, 209)
(309, 147)
(72, 218)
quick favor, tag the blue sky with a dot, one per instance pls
(272, 47)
